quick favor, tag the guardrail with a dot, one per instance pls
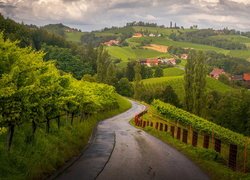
(234, 156)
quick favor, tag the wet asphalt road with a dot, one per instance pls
(120, 151)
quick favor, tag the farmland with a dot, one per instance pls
(177, 82)
(169, 42)
(126, 53)
(173, 72)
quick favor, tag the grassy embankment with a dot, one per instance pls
(51, 150)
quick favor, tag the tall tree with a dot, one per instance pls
(111, 75)
(199, 85)
(188, 81)
(138, 86)
(130, 71)
(195, 82)
(103, 61)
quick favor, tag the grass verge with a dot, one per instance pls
(49, 151)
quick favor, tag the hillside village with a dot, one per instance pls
(172, 61)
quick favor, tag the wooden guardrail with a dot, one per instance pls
(235, 157)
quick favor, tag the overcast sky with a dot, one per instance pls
(96, 14)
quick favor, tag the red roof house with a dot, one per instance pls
(246, 77)
(137, 35)
(111, 43)
(150, 62)
(216, 73)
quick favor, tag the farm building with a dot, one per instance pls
(237, 78)
(150, 62)
(216, 73)
(184, 56)
(137, 35)
(171, 61)
(151, 35)
(246, 78)
(111, 43)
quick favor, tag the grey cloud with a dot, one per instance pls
(94, 14)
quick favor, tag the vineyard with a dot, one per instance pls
(234, 147)
(44, 111)
(177, 82)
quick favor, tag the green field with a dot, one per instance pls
(173, 72)
(169, 42)
(234, 38)
(126, 53)
(240, 53)
(74, 36)
(177, 82)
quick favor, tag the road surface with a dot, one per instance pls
(120, 151)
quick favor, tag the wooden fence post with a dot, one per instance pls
(245, 157)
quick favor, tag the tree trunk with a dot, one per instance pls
(58, 122)
(47, 124)
(11, 129)
(72, 118)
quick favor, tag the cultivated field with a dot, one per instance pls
(156, 47)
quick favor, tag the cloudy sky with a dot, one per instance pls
(96, 14)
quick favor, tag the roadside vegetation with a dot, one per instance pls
(46, 116)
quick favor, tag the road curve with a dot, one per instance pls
(120, 151)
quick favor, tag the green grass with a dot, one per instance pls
(240, 53)
(126, 53)
(74, 36)
(173, 72)
(169, 42)
(49, 151)
(234, 38)
(177, 82)
(183, 63)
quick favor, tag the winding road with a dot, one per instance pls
(120, 151)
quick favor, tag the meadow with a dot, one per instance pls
(126, 53)
(74, 36)
(173, 71)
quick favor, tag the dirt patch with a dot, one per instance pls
(156, 47)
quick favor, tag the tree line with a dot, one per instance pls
(207, 37)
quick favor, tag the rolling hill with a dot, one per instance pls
(177, 82)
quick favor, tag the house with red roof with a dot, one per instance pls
(216, 73)
(171, 61)
(184, 56)
(150, 62)
(137, 35)
(246, 79)
(111, 43)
